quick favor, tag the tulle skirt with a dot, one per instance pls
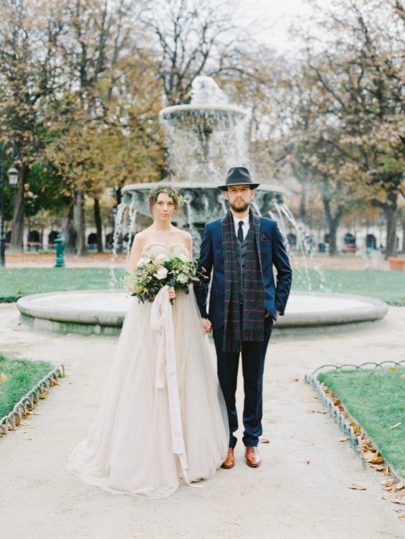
(129, 448)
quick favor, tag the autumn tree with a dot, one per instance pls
(29, 33)
(104, 130)
(357, 71)
(191, 38)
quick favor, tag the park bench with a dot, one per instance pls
(33, 245)
(397, 263)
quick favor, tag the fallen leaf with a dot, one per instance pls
(264, 440)
(402, 376)
(392, 369)
(395, 499)
(369, 455)
(394, 426)
(402, 516)
(3, 377)
(387, 483)
(376, 460)
(356, 427)
(356, 486)
(343, 439)
(398, 486)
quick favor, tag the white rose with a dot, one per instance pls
(161, 274)
(141, 263)
(182, 278)
(161, 258)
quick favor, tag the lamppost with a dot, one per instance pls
(12, 175)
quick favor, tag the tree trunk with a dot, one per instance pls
(118, 195)
(17, 227)
(390, 213)
(403, 233)
(99, 226)
(68, 230)
(79, 222)
(332, 220)
(332, 229)
(303, 203)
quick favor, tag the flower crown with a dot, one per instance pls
(170, 191)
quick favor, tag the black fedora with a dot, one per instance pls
(238, 176)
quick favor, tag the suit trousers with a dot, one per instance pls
(253, 356)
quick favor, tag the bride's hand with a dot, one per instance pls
(172, 294)
(206, 325)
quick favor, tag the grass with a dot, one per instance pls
(386, 285)
(17, 377)
(375, 399)
(15, 283)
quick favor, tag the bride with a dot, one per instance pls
(163, 416)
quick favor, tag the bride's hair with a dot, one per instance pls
(170, 191)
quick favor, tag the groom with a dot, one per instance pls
(240, 251)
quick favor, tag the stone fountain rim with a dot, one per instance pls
(67, 318)
(203, 108)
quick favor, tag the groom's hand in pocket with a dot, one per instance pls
(206, 325)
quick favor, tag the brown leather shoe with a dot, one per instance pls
(229, 462)
(252, 457)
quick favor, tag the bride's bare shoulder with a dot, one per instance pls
(143, 234)
(185, 239)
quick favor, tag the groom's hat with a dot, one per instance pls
(238, 176)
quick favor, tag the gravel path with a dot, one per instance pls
(301, 491)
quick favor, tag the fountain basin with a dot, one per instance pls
(102, 312)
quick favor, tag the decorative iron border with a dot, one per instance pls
(29, 399)
(344, 421)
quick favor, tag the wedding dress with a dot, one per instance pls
(163, 417)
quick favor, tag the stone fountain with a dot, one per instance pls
(204, 138)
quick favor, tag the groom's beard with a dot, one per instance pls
(240, 208)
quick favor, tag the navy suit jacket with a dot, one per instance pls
(273, 253)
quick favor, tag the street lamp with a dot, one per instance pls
(12, 175)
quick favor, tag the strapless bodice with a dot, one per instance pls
(156, 248)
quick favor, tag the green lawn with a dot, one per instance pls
(375, 399)
(15, 283)
(386, 285)
(17, 377)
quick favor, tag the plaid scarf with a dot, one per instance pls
(251, 327)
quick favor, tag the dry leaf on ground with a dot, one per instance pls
(395, 499)
(356, 486)
(394, 426)
(376, 460)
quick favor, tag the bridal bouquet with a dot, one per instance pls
(153, 273)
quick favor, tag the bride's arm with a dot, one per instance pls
(189, 245)
(136, 251)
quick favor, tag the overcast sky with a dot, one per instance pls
(274, 17)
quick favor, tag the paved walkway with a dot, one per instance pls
(301, 491)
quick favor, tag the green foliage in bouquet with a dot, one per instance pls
(153, 273)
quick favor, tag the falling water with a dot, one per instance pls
(285, 217)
